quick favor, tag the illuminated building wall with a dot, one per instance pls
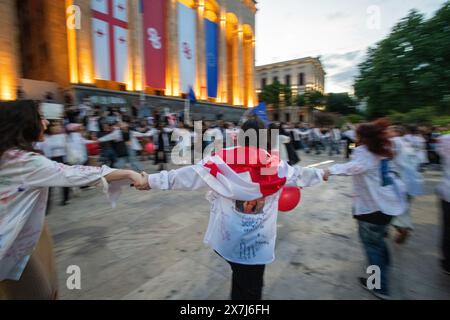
(71, 52)
(9, 51)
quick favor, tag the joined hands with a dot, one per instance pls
(140, 181)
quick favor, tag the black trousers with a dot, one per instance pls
(66, 191)
(446, 234)
(248, 281)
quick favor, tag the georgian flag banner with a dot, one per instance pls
(110, 39)
(244, 173)
(187, 50)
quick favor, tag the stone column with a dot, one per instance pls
(239, 76)
(57, 42)
(222, 86)
(172, 64)
(135, 50)
(84, 47)
(9, 50)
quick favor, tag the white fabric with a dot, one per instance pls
(93, 125)
(116, 136)
(351, 134)
(443, 148)
(336, 135)
(54, 145)
(100, 34)
(369, 194)
(134, 135)
(121, 54)
(24, 181)
(420, 145)
(240, 238)
(406, 163)
(187, 47)
(77, 143)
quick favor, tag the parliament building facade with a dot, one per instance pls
(131, 51)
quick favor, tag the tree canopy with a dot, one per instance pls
(410, 68)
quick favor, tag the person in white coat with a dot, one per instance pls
(378, 196)
(244, 197)
(406, 163)
(27, 264)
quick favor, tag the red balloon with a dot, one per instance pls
(289, 199)
(150, 148)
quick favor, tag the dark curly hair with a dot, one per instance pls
(374, 136)
(20, 125)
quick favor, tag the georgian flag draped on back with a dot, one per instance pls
(110, 38)
(187, 46)
(244, 173)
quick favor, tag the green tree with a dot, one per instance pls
(410, 68)
(276, 93)
(315, 98)
(341, 103)
(300, 100)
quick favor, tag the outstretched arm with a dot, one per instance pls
(39, 171)
(358, 165)
(185, 178)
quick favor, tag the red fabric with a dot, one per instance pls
(262, 166)
(155, 43)
(93, 149)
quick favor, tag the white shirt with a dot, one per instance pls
(351, 134)
(78, 144)
(240, 238)
(406, 163)
(369, 194)
(54, 145)
(336, 134)
(93, 124)
(420, 145)
(24, 181)
(443, 148)
(134, 135)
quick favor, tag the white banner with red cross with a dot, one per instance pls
(110, 39)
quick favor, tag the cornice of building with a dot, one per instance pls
(293, 62)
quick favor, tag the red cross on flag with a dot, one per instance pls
(110, 37)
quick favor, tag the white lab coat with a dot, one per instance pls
(369, 194)
(24, 181)
(240, 238)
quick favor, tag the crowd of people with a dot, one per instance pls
(386, 166)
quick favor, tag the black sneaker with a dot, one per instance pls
(375, 292)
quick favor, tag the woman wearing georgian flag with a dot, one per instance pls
(245, 184)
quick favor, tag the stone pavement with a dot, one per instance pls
(151, 247)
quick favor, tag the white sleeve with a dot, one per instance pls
(181, 179)
(443, 147)
(304, 177)
(113, 136)
(38, 171)
(358, 165)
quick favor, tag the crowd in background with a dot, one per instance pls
(115, 136)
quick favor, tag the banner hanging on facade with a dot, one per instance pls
(154, 43)
(110, 38)
(187, 47)
(212, 55)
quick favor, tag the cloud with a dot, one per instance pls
(338, 15)
(342, 68)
